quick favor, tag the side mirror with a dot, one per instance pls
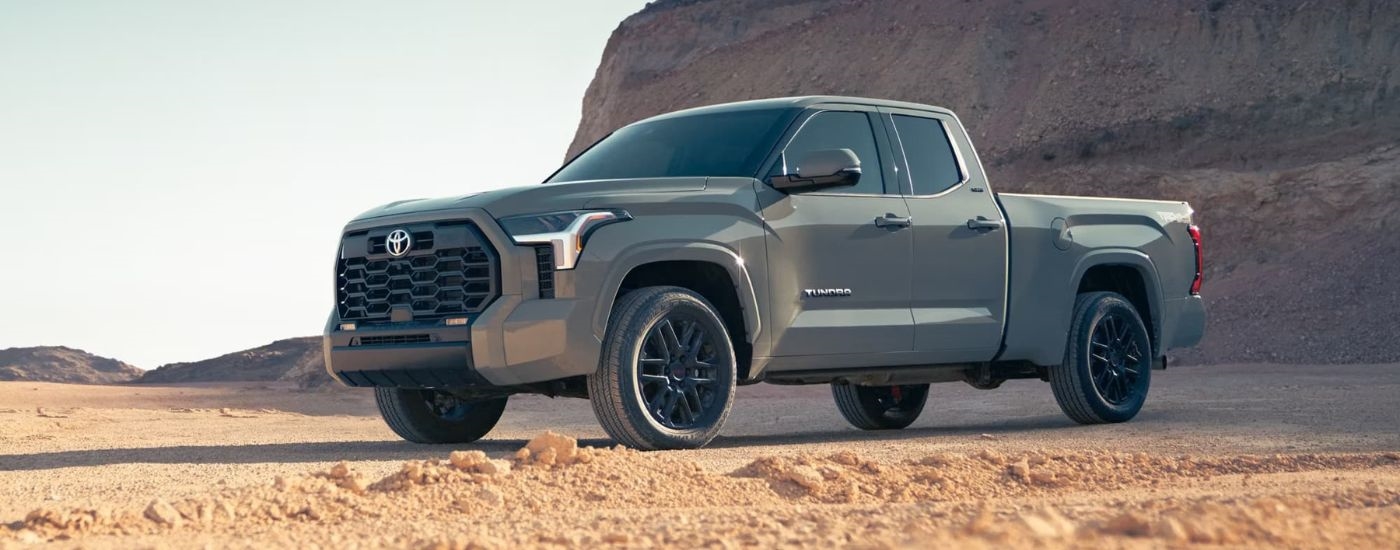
(819, 169)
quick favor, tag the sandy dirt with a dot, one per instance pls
(1296, 456)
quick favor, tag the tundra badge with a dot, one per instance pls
(823, 292)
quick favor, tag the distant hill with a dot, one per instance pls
(61, 364)
(293, 360)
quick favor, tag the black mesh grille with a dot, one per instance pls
(544, 259)
(429, 283)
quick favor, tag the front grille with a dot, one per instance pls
(456, 278)
(544, 261)
(396, 339)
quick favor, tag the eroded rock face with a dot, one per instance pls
(61, 364)
(1270, 118)
(292, 360)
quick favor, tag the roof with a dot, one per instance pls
(798, 103)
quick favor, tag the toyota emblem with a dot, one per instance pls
(398, 243)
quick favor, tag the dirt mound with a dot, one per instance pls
(293, 360)
(1276, 120)
(60, 364)
(624, 497)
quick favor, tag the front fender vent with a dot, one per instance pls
(544, 261)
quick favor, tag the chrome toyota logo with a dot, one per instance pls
(398, 243)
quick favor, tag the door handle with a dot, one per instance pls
(891, 221)
(981, 223)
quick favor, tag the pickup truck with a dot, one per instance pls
(814, 240)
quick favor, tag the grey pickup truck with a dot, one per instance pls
(814, 240)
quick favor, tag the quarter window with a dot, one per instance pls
(837, 130)
(932, 167)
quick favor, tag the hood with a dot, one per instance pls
(531, 199)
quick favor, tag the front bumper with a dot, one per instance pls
(518, 339)
(434, 357)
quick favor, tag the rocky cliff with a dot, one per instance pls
(293, 360)
(1277, 120)
(60, 364)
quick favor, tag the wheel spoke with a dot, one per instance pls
(692, 401)
(669, 339)
(695, 342)
(670, 407)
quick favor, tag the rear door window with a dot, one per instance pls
(933, 168)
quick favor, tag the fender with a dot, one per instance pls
(1127, 257)
(663, 251)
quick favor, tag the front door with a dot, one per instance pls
(839, 281)
(960, 240)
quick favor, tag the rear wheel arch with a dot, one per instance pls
(1130, 274)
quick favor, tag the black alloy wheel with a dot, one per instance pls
(1116, 359)
(668, 372)
(1107, 369)
(676, 371)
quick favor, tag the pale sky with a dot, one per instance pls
(174, 173)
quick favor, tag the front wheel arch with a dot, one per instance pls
(714, 273)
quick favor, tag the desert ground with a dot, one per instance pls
(1249, 455)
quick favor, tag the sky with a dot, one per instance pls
(174, 173)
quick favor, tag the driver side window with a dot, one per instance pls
(837, 130)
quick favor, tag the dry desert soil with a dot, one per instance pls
(1254, 455)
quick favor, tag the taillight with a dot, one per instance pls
(1200, 259)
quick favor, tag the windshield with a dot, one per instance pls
(725, 144)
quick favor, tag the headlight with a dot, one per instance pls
(565, 231)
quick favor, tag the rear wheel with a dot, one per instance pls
(432, 416)
(667, 376)
(1108, 361)
(880, 407)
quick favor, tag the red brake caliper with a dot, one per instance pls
(896, 394)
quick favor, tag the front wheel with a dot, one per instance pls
(432, 416)
(880, 407)
(1108, 361)
(667, 375)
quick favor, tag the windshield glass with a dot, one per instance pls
(726, 144)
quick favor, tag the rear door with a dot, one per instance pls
(958, 295)
(839, 283)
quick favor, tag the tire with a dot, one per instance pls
(658, 387)
(431, 416)
(1107, 369)
(880, 407)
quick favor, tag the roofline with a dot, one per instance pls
(797, 102)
